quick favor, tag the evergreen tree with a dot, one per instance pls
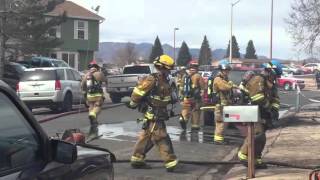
(205, 53)
(250, 51)
(235, 48)
(156, 50)
(184, 55)
(28, 26)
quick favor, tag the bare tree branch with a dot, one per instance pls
(304, 24)
(126, 55)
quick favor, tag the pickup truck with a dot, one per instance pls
(119, 86)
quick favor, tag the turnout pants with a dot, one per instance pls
(259, 140)
(94, 104)
(155, 133)
(191, 107)
(219, 124)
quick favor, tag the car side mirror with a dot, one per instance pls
(63, 152)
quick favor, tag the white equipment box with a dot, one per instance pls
(241, 114)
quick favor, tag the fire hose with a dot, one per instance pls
(274, 163)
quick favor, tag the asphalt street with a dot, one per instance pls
(118, 130)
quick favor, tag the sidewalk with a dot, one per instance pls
(295, 142)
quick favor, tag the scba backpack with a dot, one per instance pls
(213, 96)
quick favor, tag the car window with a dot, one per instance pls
(70, 75)
(46, 63)
(77, 75)
(60, 74)
(39, 75)
(57, 63)
(35, 62)
(19, 144)
(137, 70)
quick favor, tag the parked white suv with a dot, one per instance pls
(57, 88)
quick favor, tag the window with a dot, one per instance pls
(53, 55)
(55, 32)
(81, 30)
(46, 63)
(70, 75)
(19, 144)
(35, 62)
(39, 75)
(137, 70)
(70, 58)
(60, 74)
(77, 76)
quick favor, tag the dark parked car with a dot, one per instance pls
(28, 153)
(36, 62)
(12, 74)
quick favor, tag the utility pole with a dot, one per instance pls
(2, 36)
(231, 34)
(174, 43)
(271, 30)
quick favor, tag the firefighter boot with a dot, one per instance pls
(93, 119)
(183, 123)
(139, 163)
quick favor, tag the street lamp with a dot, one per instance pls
(230, 47)
(271, 30)
(174, 42)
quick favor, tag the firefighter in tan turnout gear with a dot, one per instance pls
(262, 91)
(151, 96)
(92, 87)
(191, 92)
(222, 88)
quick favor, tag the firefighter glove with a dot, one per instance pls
(233, 84)
(132, 105)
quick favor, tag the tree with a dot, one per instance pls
(24, 29)
(28, 27)
(184, 55)
(126, 55)
(156, 50)
(235, 48)
(250, 51)
(205, 53)
(303, 24)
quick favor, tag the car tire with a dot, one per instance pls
(287, 86)
(115, 98)
(67, 103)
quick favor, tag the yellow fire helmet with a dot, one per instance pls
(164, 61)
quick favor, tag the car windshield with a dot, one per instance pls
(136, 70)
(60, 64)
(39, 75)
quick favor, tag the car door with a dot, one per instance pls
(21, 145)
(27, 152)
(78, 79)
(74, 85)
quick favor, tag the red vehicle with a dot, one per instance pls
(289, 83)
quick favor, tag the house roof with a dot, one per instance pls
(75, 11)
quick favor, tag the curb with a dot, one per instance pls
(50, 118)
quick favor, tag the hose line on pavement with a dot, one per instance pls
(274, 163)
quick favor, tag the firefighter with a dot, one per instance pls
(191, 91)
(155, 93)
(182, 72)
(93, 91)
(222, 88)
(262, 90)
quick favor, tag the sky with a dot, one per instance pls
(142, 20)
